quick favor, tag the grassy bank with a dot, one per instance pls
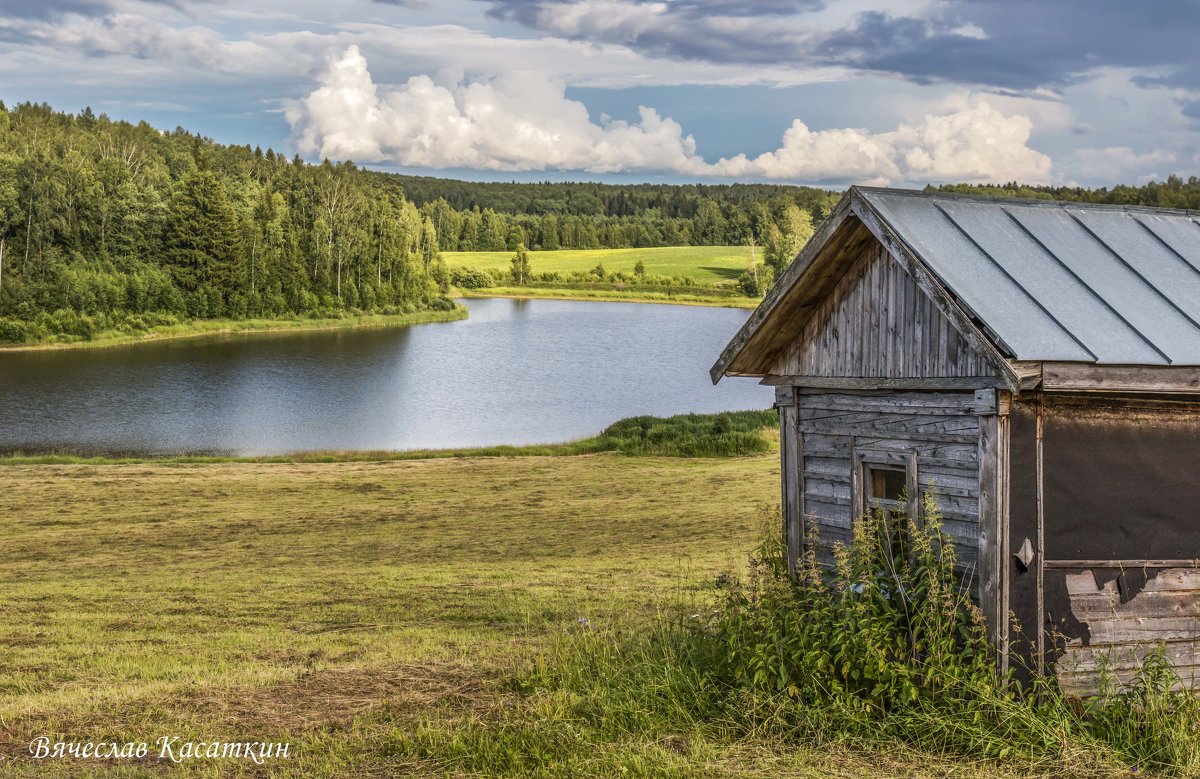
(206, 327)
(727, 434)
(688, 296)
(705, 264)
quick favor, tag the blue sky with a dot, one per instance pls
(828, 92)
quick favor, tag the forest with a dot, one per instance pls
(107, 225)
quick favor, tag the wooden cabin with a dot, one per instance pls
(1033, 366)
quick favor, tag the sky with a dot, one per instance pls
(821, 92)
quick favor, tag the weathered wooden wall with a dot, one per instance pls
(876, 323)
(941, 428)
(1120, 632)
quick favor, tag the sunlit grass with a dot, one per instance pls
(333, 605)
(705, 264)
(688, 296)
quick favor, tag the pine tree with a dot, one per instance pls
(201, 243)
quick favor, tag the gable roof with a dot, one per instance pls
(1038, 281)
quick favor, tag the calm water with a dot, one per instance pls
(514, 372)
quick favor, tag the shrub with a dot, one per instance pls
(691, 435)
(13, 331)
(471, 278)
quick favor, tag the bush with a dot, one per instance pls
(13, 331)
(691, 435)
(754, 283)
(471, 278)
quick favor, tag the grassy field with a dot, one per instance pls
(705, 264)
(374, 617)
(683, 298)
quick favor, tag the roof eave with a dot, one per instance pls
(783, 284)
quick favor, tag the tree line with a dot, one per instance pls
(491, 216)
(1175, 192)
(106, 224)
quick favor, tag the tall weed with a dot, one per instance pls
(880, 645)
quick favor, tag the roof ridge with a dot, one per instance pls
(1025, 201)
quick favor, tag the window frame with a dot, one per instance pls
(864, 460)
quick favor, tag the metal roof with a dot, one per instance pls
(1058, 281)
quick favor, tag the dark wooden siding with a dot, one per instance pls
(876, 323)
(1121, 508)
(940, 427)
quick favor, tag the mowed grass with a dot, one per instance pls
(705, 264)
(329, 605)
(366, 612)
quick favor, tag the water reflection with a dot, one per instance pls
(516, 371)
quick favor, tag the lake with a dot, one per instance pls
(515, 372)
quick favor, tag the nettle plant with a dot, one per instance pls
(886, 642)
(890, 624)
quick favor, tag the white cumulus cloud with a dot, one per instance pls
(517, 121)
(520, 121)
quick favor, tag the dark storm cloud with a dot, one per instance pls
(47, 9)
(1024, 43)
(707, 30)
(52, 9)
(1005, 44)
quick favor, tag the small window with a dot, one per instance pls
(884, 481)
(886, 485)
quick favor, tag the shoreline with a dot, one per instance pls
(201, 328)
(213, 327)
(613, 440)
(610, 296)
(583, 447)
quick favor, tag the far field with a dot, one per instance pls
(705, 264)
(372, 614)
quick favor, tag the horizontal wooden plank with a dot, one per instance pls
(896, 403)
(1079, 667)
(908, 435)
(1165, 612)
(821, 489)
(949, 450)
(883, 382)
(873, 422)
(825, 510)
(1087, 377)
(1126, 565)
(954, 503)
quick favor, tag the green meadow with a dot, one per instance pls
(704, 264)
(381, 616)
(371, 600)
(524, 612)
